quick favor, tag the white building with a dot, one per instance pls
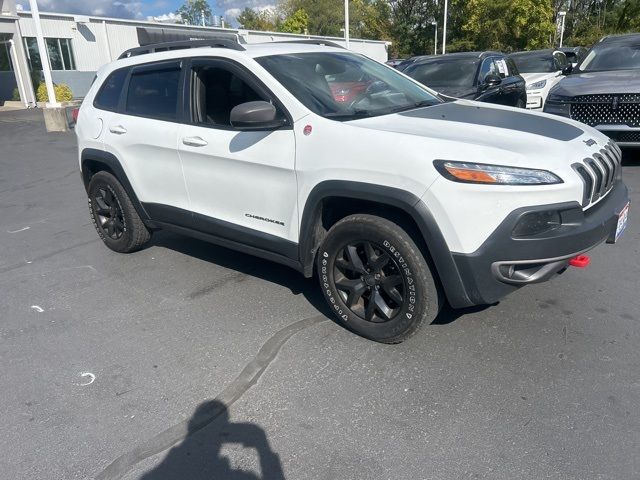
(79, 45)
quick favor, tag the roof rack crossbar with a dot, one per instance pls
(310, 41)
(183, 44)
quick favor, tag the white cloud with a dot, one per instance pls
(257, 5)
(106, 8)
(170, 17)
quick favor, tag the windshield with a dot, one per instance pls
(345, 86)
(447, 72)
(534, 62)
(612, 57)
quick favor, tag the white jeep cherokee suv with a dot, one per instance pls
(395, 197)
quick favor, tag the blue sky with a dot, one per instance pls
(140, 9)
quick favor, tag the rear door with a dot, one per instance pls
(242, 184)
(143, 135)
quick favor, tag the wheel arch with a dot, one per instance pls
(332, 200)
(93, 161)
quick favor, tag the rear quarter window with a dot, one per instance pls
(108, 96)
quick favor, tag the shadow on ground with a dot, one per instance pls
(273, 272)
(199, 456)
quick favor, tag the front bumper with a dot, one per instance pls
(504, 263)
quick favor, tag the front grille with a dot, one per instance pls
(600, 173)
(624, 137)
(610, 109)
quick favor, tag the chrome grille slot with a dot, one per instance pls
(600, 173)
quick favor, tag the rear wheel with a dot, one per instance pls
(376, 280)
(114, 216)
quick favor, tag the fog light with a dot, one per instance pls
(535, 223)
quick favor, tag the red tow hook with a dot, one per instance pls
(580, 261)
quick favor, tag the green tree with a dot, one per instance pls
(297, 22)
(264, 20)
(509, 25)
(193, 11)
(326, 17)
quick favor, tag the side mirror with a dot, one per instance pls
(257, 115)
(567, 70)
(492, 80)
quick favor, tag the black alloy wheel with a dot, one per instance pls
(369, 281)
(109, 213)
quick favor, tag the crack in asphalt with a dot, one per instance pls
(248, 377)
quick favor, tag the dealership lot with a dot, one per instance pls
(105, 358)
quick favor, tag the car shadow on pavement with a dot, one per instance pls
(200, 457)
(245, 264)
(273, 272)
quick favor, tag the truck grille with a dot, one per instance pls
(623, 136)
(609, 109)
(600, 173)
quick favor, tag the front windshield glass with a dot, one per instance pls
(612, 57)
(534, 62)
(345, 86)
(452, 72)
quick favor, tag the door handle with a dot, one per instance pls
(195, 141)
(118, 129)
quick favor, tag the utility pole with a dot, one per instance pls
(435, 40)
(44, 55)
(444, 29)
(346, 23)
(562, 15)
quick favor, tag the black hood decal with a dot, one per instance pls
(493, 117)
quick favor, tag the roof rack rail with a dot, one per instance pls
(183, 44)
(325, 43)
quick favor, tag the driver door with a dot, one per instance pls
(242, 184)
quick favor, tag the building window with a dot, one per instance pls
(60, 53)
(5, 55)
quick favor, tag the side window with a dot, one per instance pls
(216, 91)
(487, 67)
(154, 92)
(501, 65)
(513, 68)
(108, 96)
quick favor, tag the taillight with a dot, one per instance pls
(74, 114)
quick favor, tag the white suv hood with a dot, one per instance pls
(493, 133)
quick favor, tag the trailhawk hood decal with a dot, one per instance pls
(485, 116)
(593, 83)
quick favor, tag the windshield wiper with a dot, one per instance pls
(351, 115)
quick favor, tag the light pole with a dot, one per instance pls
(444, 29)
(44, 55)
(562, 16)
(435, 41)
(346, 23)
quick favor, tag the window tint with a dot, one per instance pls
(488, 67)
(109, 94)
(60, 53)
(513, 69)
(154, 93)
(534, 62)
(216, 92)
(5, 57)
(612, 57)
(450, 72)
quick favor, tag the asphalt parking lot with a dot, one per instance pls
(190, 361)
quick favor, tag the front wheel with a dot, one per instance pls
(376, 280)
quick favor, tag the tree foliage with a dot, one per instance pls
(265, 20)
(508, 25)
(193, 11)
(297, 22)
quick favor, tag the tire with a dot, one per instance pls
(521, 104)
(116, 220)
(376, 280)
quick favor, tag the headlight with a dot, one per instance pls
(552, 97)
(537, 85)
(465, 172)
